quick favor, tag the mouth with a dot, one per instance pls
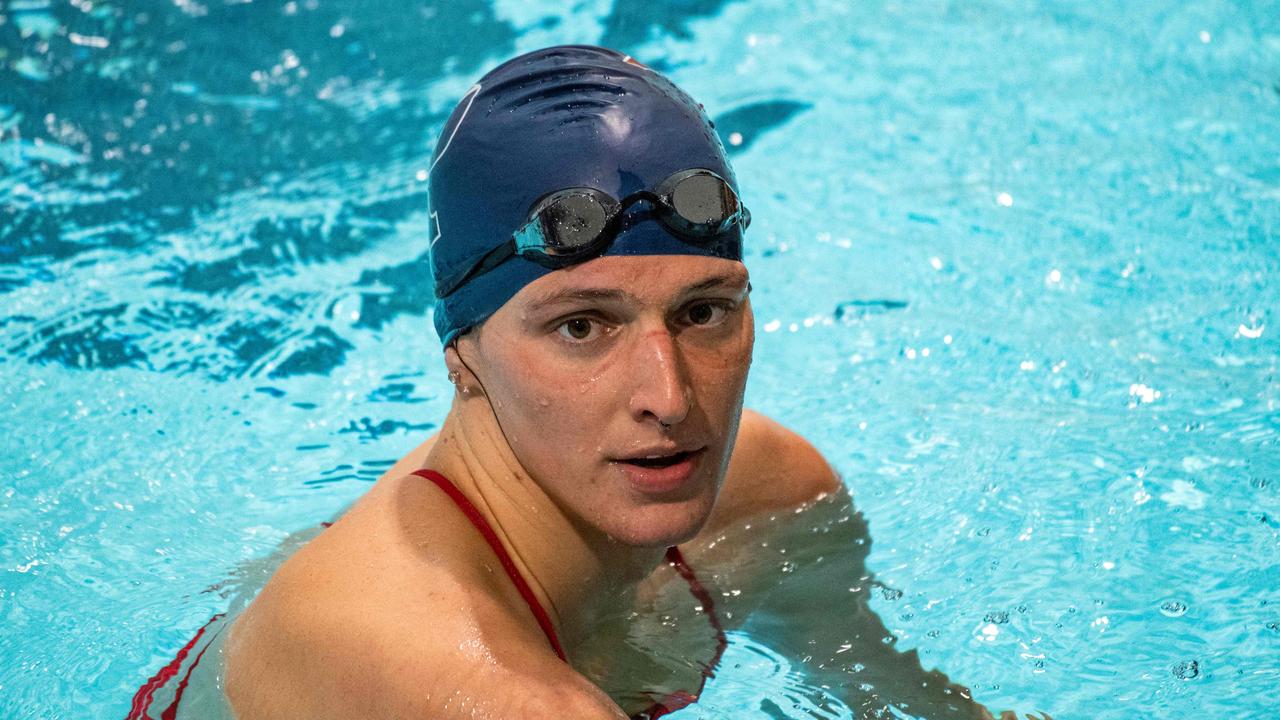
(659, 472)
(659, 461)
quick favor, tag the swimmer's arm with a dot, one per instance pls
(325, 663)
(845, 644)
(773, 473)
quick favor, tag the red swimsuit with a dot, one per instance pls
(675, 701)
(670, 703)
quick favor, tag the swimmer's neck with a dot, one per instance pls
(577, 573)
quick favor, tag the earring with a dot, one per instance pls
(455, 377)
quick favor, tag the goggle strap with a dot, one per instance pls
(489, 261)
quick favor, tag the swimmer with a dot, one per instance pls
(595, 312)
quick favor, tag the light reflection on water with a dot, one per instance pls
(1012, 274)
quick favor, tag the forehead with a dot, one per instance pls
(645, 278)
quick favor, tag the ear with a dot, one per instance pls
(460, 374)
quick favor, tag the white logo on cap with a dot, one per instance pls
(470, 97)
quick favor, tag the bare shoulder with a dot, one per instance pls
(348, 629)
(771, 467)
(345, 663)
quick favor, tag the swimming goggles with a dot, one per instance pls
(572, 225)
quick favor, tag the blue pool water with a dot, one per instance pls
(1015, 269)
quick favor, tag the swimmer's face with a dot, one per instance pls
(618, 384)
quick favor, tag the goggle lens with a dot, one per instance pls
(705, 202)
(572, 222)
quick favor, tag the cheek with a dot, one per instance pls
(721, 368)
(720, 389)
(550, 411)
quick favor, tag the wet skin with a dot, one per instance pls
(598, 419)
(593, 369)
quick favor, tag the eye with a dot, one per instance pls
(578, 328)
(706, 313)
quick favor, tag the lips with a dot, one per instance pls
(658, 461)
(660, 470)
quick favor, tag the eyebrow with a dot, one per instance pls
(605, 294)
(578, 294)
(712, 283)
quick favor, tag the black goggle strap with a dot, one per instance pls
(491, 260)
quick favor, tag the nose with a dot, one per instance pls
(661, 391)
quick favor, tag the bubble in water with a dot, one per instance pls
(788, 567)
(1186, 670)
(1173, 608)
(999, 617)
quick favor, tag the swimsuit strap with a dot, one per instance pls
(681, 699)
(670, 703)
(145, 695)
(478, 520)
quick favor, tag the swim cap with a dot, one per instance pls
(560, 117)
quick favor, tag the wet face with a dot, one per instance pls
(618, 384)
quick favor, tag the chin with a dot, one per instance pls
(661, 525)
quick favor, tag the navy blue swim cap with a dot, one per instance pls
(560, 117)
